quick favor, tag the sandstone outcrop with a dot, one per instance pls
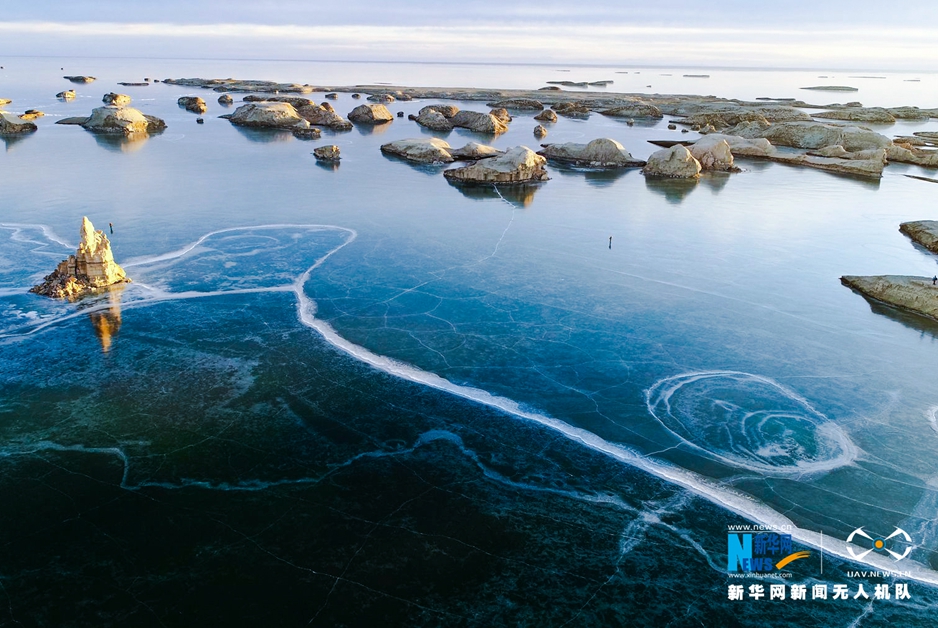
(916, 294)
(127, 121)
(925, 232)
(92, 269)
(14, 125)
(813, 135)
(713, 153)
(423, 150)
(521, 104)
(479, 122)
(473, 151)
(296, 101)
(675, 163)
(635, 109)
(548, 115)
(911, 155)
(121, 100)
(269, 115)
(501, 115)
(370, 114)
(320, 116)
(80, 79)
(327, 153)
(599, 153)
(572, 110)
(68, 94)
(448, 111)
(195, 104)
(517, 165)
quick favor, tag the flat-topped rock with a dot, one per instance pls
(447, 111)
(875, 115)
(832, 88)
(813, 135)
(635, 109)
(5, 101)
(925, 232)
(434, 120)
(599, 153)
(112, 119)
(572, 110)
(90, 270)
(296, 101)
(673, 163)
(11, 124)
(80, 79)
(241, 85)
(473, 151)
(370, 114)
(327, 153)
(429, 150)
(68, 94)
(269, 115)
(915, 294)
(517, 165)
(521, 104)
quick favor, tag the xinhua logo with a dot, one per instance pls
(760, 553)
(879, 544)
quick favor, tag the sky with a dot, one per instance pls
(858, 34)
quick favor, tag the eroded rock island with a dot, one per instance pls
(915, 294)
(90, 270)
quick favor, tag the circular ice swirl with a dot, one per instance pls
(750, 422)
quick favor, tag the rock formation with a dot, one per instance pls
(675, 162)
(320, 116)
(424, 150)
(269, 115)
(115, 120)
(635, 109)
(916, 294)
(572, 110)
(713, 153)
(327, 153)
(31, 114)
(121, 100)
(370, 114)
(14, 125)
(382, 98)
(479, 122)
(875, 115)
(600, 153)
(448, 111)
(521, 104)
(91, 270)
(79, 79)
(517, 165)
(192, 103)
(296, 101)
(540, 132)
(925, 232)
(501, 115)
(301, 133)
(434, 120)
(5, 101)
(473, 151)
(548, 115)
(68, 94)
(225, 99)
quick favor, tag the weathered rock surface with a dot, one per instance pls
(517, 165)
(225, 99)
(675, 162)
(127, 121)
(909, 113)
(501, 115)
(723, 119)
(14, 125)
(448, 111)
(540, 131)
(832, 88)
(814, 135)
(80, 79)
(370, 114)
(73, 120)
(121, 100)
(327, 153)
(296, 101)
(239, 85)
(572, 110)
(479, 122)
(521, 104)
(599, 153)
(269, 115)
(925, 232)
(92, 269)
(423, 150)
(916, 294)
(320, 116)
(635, 109)
(68, 94)
(473, 151)
(925, 158)
(433, 120)
(383, 98)
(548, 115)
(311, 133)
(713, 153)
(195, 104)
(876, 115)
(31, 114)
(5, 101)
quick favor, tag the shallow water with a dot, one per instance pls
(361, 394)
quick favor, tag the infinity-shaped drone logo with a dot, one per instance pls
(879, 544)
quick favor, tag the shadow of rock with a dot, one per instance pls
(331, 166)
(596, 177)
(121, 143)
(520, 195)
(106, 317)
(372, 129)
(674, 190)
(716, 181)
(10, 141)
(917, 322)
(428, 169)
